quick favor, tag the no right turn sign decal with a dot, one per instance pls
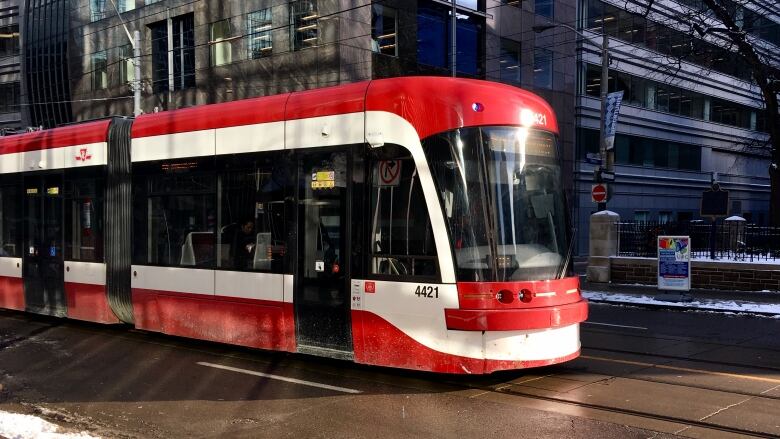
(389, 172)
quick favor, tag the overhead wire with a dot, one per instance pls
(558, 55)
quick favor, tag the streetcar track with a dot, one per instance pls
(658, 417)
(682, 358)
(427, 380)
(739, 344)
(758, 395)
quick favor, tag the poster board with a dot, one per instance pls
(674, 263)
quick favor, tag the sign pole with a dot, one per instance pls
(603, 118)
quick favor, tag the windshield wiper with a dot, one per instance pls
(565, 263)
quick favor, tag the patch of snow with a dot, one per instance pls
(735, 218)
(707, 305)
(606, 212)
(19, 426)
(743, 260)
(640, 258)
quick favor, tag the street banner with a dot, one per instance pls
(611, 117)
(674, 263)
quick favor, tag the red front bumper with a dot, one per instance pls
(517, 319)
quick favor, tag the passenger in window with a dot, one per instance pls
(243, 246)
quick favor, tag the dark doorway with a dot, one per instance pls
(322, 308)
(43, 262)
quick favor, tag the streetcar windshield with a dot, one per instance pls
(502, 195)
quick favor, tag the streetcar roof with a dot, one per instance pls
(431, 104)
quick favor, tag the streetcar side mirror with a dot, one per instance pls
(375, 139)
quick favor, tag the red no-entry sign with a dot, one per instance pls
(599, 193)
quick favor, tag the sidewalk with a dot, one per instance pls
(759, 303)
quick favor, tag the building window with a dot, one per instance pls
(220, 42)
(9, 97)
(183, 54)
(100, 9)
(641, 151)
(509, 62)
(159, 33)
(99, 70)
(304, 24)
(434, 40)
(258, 30)
(658, 96)
(635, 29)
(641, 216)
(543, 68)
(9, 40)
(384, 30)
(183, 51)
(97, 10)
(515, 3)
(544, 8)
(432, 36)
(476, 5)
(126, 64)
(469, 46)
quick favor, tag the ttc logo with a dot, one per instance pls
(83, 156)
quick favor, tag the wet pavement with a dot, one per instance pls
(643, 373)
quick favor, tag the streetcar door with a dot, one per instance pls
(322, 308)
(43, 263)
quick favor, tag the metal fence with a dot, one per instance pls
(729, 240)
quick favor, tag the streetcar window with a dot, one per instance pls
(83, 217)
(174, 213)
(502, 196)
(253, 222)
(10, 218)
(401, 236)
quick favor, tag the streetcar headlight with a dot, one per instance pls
(505, 296)
(525, 295)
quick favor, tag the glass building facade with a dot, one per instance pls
(689, 114)
(47, 26)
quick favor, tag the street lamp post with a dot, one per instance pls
(607, 156)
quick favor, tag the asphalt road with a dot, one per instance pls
(643, 373)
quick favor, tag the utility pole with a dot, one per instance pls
(454, 39)
(607, 165)
(137, 73)
(135, 43)
(606, 156)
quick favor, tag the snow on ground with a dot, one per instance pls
(704, 305)
(18, 426)
(738, 260)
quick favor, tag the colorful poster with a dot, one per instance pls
(674, 263)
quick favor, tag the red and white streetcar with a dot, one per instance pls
(410, 222)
